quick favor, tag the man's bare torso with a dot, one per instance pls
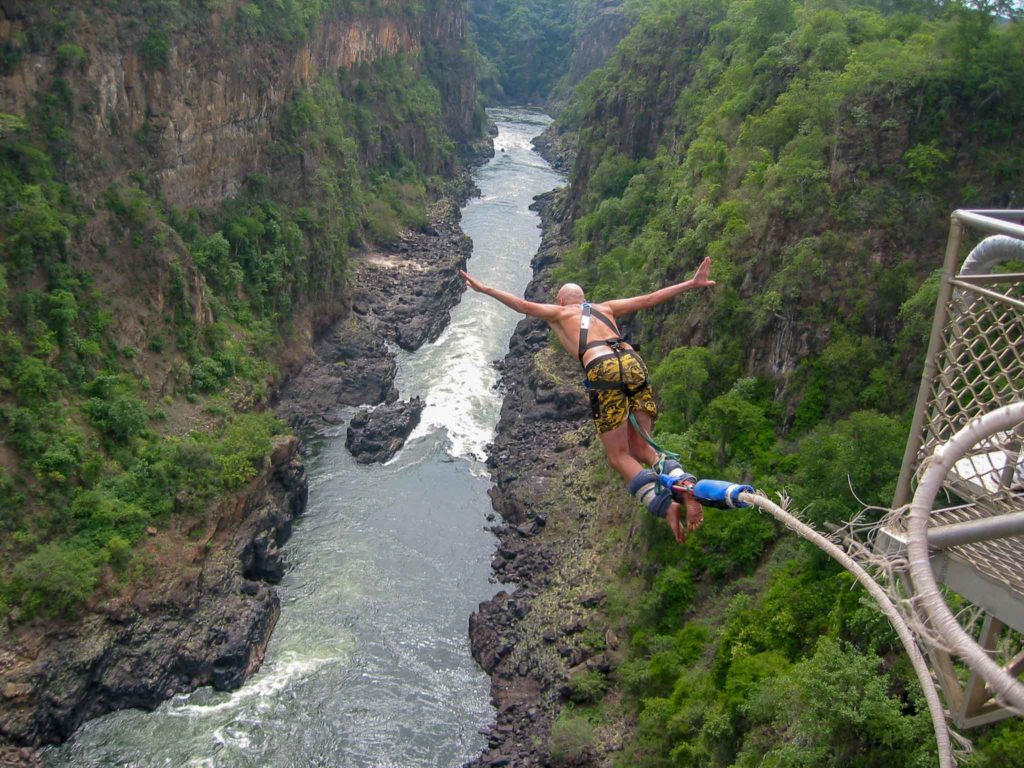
(567, 327)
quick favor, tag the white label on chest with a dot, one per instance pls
(585, 322)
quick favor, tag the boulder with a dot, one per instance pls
(376, 435)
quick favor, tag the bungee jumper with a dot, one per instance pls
(621, 399)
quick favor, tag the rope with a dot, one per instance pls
(663, 453)
(927, 593)
(803, 530)
(885, 604)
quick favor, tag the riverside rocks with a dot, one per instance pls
(350, 366)
(406, 293)
(401, 295)
(204, 618)
(375, 435)
(207, 614)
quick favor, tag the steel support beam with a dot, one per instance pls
(973, 531)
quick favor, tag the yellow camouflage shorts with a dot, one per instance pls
(611, 407)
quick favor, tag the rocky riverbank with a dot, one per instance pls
(202, 616)
(400, 295)
(539, 640)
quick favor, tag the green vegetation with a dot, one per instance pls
(123, 406)
(525, 45)
(814, 151)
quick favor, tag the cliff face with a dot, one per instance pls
(817, 172)
(204, 617)
(599, 29)
(206, 112)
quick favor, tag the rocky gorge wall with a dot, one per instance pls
(540, 634)
(186, 133)
(205, 115)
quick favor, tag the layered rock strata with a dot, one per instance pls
(208, 112)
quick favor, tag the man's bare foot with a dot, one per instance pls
(694, 513)
(672, 518)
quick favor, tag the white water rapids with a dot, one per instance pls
(369, 665)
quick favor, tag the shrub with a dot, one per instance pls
(34, 380)
(1003, 747)
(55, 580)
(10, 55)
(588, 687)
(118, 552)
(120, 417)
(70, 54)
(246, 442)
(10, 504)
(63, 310)
(382, 223)
(570, 740)
(100, 515)
(156, 50)
(208, 375)
(671, 594)
(62, 457)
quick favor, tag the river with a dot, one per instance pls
(369, 664)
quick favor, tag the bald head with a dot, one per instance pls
(570, 293)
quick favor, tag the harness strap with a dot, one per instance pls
(584, 329)
(663, 453)
(584, 345)
(614, 343)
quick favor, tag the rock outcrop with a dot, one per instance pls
(407, 291)
(403, 295)
(350, 366)
(204, 617)
(378, 434)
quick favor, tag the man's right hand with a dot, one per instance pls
(476, 285)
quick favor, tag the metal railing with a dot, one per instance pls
(974, 366)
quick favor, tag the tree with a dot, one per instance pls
(680, 380)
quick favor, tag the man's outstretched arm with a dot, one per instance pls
(531, 308)
(620, 307)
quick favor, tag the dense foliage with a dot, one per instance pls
(525, 44)
(119, 411)
(814, 151)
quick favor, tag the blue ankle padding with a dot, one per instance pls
(643, 477)
(668, 466)
(659, 505)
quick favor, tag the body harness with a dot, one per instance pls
(615, 343)
(651, 487)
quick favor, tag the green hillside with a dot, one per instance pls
(814, 151)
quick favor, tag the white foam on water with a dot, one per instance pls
(273, 678)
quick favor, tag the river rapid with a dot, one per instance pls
(369, 664)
